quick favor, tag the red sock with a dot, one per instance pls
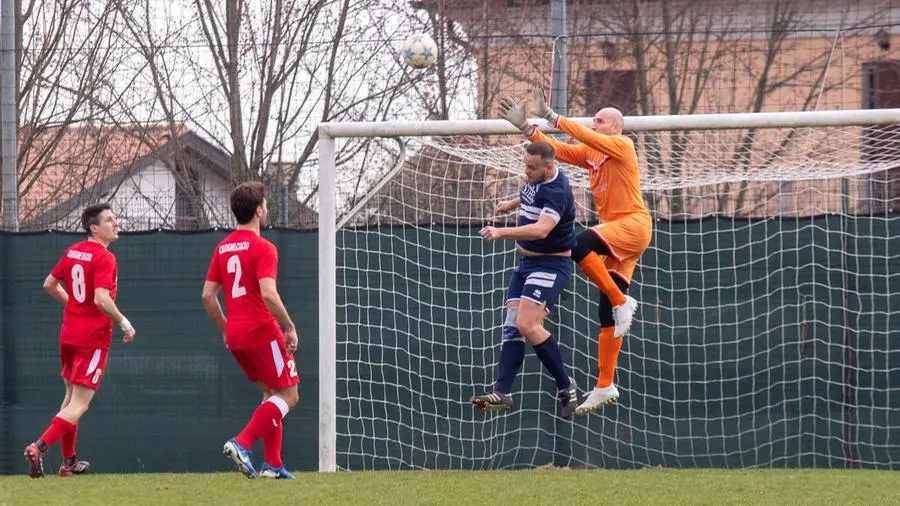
(272, 447)
(68, 442)
(58, 427)
(266, 417)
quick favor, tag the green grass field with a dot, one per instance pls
(530, 487)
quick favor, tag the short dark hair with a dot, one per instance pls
(245, 199)
(543, 149)
(91, 215)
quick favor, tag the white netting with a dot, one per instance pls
(762, 338)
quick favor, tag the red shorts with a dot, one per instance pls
(270, 364)
(82, 366)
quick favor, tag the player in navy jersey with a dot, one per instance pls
(544, 235)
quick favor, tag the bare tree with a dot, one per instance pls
(149, 41)
(67, 61)
(268, 75)
(356, 89)
(809, 79)
(257, 78)
(679, 49)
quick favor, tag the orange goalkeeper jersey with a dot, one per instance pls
(613, 166)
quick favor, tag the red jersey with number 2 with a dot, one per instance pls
(238, 263)
(84, 267)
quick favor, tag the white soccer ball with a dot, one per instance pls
(419, 51)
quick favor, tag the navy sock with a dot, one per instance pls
(551, 357)
(512, 354)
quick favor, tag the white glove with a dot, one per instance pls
(539, 102)
(514, 112)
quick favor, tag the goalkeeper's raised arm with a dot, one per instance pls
(605, 135)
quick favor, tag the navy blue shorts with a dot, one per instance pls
(540, 279)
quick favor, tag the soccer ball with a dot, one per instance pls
(419, 51)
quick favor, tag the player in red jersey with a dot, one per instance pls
(84, 281)
(246, 265)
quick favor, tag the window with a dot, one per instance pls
(610, 88)
(185, 214)
(881, 84)
(881, 89)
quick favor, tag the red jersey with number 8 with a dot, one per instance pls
(84, 267)
(238, 263)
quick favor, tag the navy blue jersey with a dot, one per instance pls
(552, 198)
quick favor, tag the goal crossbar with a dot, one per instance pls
(632, 123)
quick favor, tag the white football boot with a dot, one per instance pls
(598, 398)
(623, 314)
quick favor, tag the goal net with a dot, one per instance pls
(762, 337)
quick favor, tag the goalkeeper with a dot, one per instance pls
(608, 252)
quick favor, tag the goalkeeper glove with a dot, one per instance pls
(541, 108)
(514, 112)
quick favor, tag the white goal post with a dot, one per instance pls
(708, 179)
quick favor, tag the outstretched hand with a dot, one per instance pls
(513, 111)
(505, 206)
(491, 233)
(539, 105)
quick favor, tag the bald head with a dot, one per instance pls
(609, 121)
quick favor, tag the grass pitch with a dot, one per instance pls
(530, 487)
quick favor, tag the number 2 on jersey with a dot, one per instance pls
(78, 286)
(234, 267)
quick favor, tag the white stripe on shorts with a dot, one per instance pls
(276, 355)
(95, 361)
(546, 283)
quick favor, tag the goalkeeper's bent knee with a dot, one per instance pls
(589, 241)
(579, 253)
